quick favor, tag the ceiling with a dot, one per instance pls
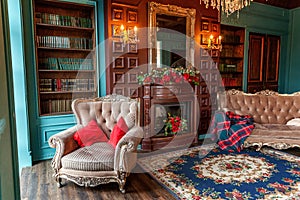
(288, 4)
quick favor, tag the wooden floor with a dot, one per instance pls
(37, 183)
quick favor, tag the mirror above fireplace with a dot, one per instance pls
(171, 35)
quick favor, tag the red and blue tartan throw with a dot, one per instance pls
(231, 129)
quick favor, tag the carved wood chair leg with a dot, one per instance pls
(122, 189)
(59, 184)
(122, 182)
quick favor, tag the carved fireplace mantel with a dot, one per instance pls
(156, 102)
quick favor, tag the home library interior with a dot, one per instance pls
(67, 64)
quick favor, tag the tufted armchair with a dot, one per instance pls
(99, 163)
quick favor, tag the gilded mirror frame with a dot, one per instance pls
(172, 10)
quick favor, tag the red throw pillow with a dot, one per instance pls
(119, 130)
(90, 134)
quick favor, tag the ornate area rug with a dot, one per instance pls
(210, 173)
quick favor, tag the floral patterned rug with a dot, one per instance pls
(210, 173)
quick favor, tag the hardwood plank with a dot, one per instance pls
(38, 183)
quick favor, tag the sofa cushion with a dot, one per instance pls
(90, 134)
(97, 157)
(294, 122)
(118, 132)
(275, 133)
(277, 127)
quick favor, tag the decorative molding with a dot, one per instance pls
(262, 92)
(117, 14)
(89, 181)
(132, 62)
(277, 145)
(119, 90)
(118, 62)
(234, 92)
(118, 47)
(118, 77)
(132, 16)
(126, 5)
(295, 94)
(132, 78)
(267, 93)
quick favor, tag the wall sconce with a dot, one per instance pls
(128, 36)
(212, 44)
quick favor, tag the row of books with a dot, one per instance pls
(66, 64)
(227, 68)
(233, 51)
(64, 42)
(60, 20)
(227, 81)
(56, 105)
(51, 85)
(231, 38)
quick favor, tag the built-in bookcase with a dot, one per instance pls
(65, 54)
(232, 56)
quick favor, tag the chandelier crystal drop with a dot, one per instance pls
(227, 6)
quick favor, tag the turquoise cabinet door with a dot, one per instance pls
(46, 128)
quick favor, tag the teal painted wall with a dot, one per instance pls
(293, 54)
(17, 55)
(9, 173)
(265, 19)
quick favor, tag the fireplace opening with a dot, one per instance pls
(161, 111)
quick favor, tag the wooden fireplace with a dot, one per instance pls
(156, 102)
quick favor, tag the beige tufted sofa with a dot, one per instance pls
(271, 111)
(99, 163)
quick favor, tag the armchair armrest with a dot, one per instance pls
(64, 144)
(126, 150)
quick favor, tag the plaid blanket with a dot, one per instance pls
(231, 129)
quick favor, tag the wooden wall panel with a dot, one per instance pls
(256, 58)
(141, 7)
(202, 58)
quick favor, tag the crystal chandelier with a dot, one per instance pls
(227, 6)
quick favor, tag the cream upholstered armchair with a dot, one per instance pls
(100, 162)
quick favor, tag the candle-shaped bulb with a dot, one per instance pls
(135, 33)
(122, 27)
(210, 40)
(220, 39)
(135, 29)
